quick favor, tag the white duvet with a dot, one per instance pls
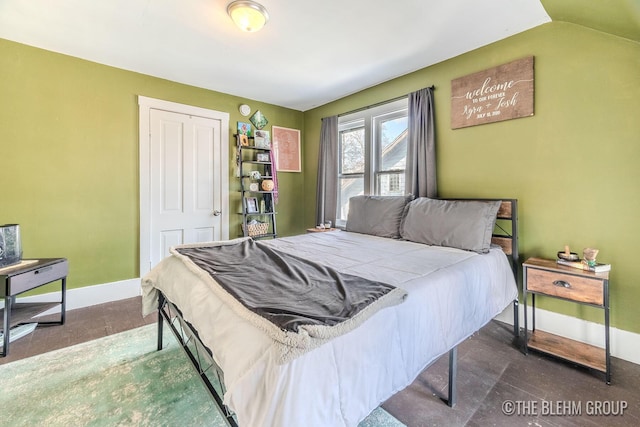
(451, 294)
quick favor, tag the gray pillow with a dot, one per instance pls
(376, 215)
(462, 224)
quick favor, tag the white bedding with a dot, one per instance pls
(451, 294)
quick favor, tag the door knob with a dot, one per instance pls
(216, 212)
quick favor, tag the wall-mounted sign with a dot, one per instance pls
(501, 93)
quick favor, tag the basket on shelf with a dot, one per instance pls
(257, 228)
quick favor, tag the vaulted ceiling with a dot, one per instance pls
(308, 54)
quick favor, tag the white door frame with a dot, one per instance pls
(145, 106)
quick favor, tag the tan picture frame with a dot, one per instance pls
(286, 145)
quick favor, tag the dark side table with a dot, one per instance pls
(23, 277)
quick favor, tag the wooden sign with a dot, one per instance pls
(501, 93)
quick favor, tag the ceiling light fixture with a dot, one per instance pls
(248, 15)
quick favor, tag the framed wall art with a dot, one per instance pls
(261, 139)
(286, 146)
(259, 120)
(251, 204)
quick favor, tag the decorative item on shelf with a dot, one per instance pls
(255, 175)
(568, 255)
(257, 228)
(267, 185)
(254, 186)
(10, 245)
(262, 157)
(244, 129)
(245, 110)
(259, 120)
(251, 205)
(588, 263)
(263, 206)
(262, 139)
(590, 255)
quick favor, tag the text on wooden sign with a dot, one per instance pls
(501, 93)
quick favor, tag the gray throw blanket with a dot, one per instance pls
(299, 303)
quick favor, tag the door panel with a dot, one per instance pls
(177, 170)
(182, 191)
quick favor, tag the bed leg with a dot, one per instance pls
(453, 372)
(160, 319)
(516, 318)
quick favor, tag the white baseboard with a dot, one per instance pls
(90, 295)
(624, 344)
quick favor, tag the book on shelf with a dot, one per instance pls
(598, 268)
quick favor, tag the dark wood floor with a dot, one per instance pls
(493, 374)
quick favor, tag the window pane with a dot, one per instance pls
(391, 184)
(393, 148)
(352, 151)
(349, 187)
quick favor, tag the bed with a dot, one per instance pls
(457, 275)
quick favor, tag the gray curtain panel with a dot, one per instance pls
(327, 190)
(421, 151)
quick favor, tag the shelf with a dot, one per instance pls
(255, 162)
(568, 349)
(253, 147)
(22, 312)
(247, 165)
(258, 213)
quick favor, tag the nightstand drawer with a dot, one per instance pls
(575, 288)
(37, 277)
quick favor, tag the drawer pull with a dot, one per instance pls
(562, 283)
(42, 270)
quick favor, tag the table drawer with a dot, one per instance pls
(37, 277)
(575, 288)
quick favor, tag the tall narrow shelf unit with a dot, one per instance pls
(263, 210)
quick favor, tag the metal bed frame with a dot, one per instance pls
(212, 375)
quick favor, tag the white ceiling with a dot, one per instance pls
(308, 54)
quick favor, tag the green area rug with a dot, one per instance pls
(119, 380)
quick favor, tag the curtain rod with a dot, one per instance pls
(432, 87)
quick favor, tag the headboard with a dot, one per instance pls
(507, 237)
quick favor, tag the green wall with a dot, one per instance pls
(573, 166)
(69, 139)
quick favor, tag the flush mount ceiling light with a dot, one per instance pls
(248, 15)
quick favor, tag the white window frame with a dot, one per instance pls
(370, 119)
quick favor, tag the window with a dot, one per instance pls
(372, 153)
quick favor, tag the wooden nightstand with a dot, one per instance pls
(546, 277)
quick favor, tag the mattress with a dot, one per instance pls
(451, 294)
